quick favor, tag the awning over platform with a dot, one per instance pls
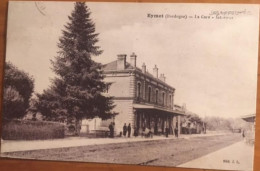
(155, 107)
(249, 118)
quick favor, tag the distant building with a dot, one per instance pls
(250, 119)
(142, 99)
(192, 124)
(250, 134)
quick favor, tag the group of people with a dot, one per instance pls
(127, 130)
(146, 132)
(167, 132)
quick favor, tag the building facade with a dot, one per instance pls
(142, 100)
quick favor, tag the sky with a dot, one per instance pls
(212, 63)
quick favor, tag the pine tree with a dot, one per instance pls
(76, 92)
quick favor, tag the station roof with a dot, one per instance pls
(249, 118)
(155, 107)
(112, 67)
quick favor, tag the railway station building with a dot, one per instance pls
(142, 99)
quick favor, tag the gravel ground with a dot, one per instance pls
(171, 152)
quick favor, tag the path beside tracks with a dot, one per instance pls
(22, 145)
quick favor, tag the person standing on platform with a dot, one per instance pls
(176, 132)
(135, 132)
(111, 130)
(151, 132)
(124, 129)
(166, 132)
(129, 130)
(243, 134)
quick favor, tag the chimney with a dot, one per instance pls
(144, 68)
(121, 61)
(162, 77)
(133, 59)
(155, 71)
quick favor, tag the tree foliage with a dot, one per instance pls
(18, 89)
(194, 118)
(218, 123)
(76, 92)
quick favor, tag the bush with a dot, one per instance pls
(32, 130)
(13, 104)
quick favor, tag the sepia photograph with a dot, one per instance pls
(154, 84)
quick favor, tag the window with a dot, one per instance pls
(170, 100)
(156, 96)
(138, 90)
(149, 94)
(163, 98)
(107, 87)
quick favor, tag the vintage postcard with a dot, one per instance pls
(161, 84)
